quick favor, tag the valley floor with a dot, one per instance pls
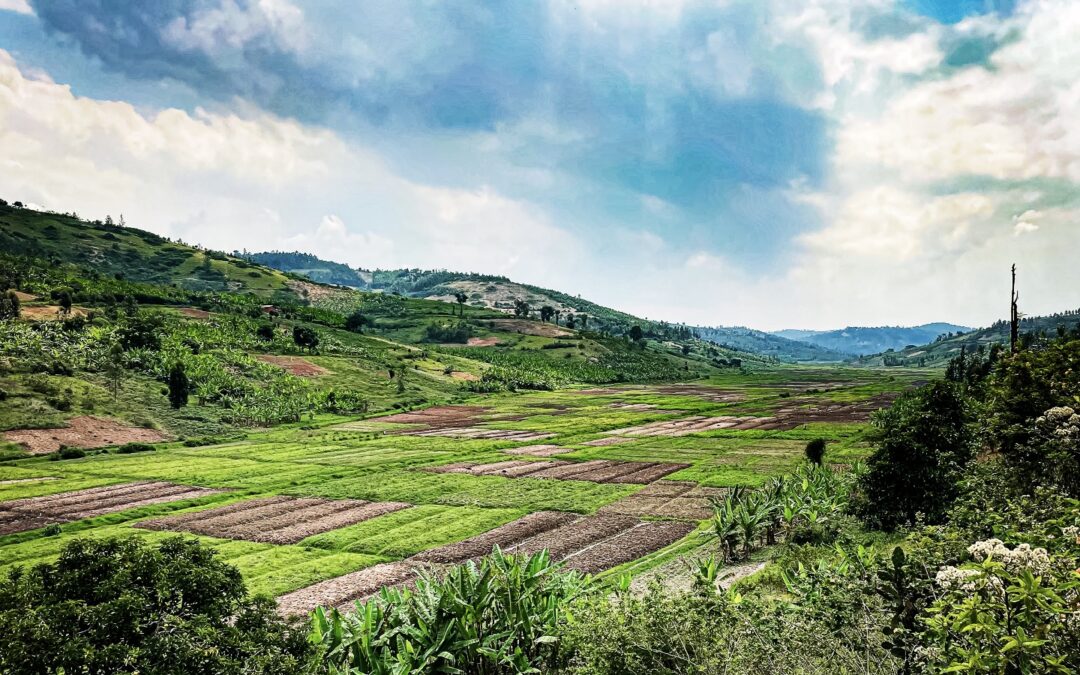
(609, 480)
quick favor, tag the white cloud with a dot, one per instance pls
(230, 26)
(17, 6)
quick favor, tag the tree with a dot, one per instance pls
(114, 369)
(584, 319)
(178, 386)
(63, 298)
(265, 331)
(571, 322)
(636, 334)
(546, 312)
(355, 322)
(305, 337)
(10, 307)
(521, 309)
(815, 451)
(686, 350)
(461, 298)
(923, 445)
(124, 606)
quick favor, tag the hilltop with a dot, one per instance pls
(771, 345)
(863, 340)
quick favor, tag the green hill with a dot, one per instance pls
(941, 350)
(862, 340)
(767, 344)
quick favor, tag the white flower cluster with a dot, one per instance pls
(1071, 532)
(954, 578)
(1015, 560)
(1065, 420)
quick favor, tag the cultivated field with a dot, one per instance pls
(330, 512)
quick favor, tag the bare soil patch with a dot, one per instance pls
(25, 297)
(629, 545)
(482, 342)
(539, 450)
(47, 312)
(82, 432)
(275, 520)
(295, 365)
(702, 391)
(462, 375)
(27, 514)
(806, 411)
(439, 417)
(595, 471)
(342, 591)
(505, 536)
(15, 481)
(194, 313)
(696, 424)
(530, 328)
(610, 440)
(668, 499)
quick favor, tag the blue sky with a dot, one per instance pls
(730, 162)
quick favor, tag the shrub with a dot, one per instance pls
(68, 453)
(815, 451)
(130, 448)
(121, 605)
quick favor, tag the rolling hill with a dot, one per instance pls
(861, 341)
(939, 351)
(768, 344)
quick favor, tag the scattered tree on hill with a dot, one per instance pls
(125, 606)
(305, 338)
(636, 334)
(546, 312)
(63, 298)
(521, 309)
(355, 322)
(9, 306)
(571, 322)
(686, 350)
(815, 451)
(584, 319)
(461, 298)
(265, 331)
(178, 386)
(114, 369)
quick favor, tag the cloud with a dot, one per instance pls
(17, 6)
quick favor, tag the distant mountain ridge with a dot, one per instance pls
(864, 340)
(769, 344)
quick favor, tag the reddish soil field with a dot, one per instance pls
(461, 375)
(610, 440)
(596, 471)
(342, 591)
(833, 412)
(702, 391)
(482, 342)
(27, 514)
(295, 365)
(668, 499)
(82, 432)
(275, 520)
(505, 537)
(539, 450)
(696, 423)
(193, 313)
(25, 297)
(439, 417)
(626, 546)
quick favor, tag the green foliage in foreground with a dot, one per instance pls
(121, 606)
(499, 616)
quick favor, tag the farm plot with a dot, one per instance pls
(714, 394)
(816, 412)
(294, 365)
(483, 433)
(587, 544)
(596, 471)
(81, 432)
(668, 499)
(697, 424)
(275, 520)
(439, 417)
(19, 515)
(539, 450)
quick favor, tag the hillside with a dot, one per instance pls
(939, 351)
(481, 290)
(768, 344)
(861, 340)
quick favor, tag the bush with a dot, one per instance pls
(130, 448)
(68, 453)
(815, 451)
(121, 605)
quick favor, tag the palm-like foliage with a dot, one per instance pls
(498, 616)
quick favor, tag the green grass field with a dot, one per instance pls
(335, 457)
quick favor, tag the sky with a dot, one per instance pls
(770, 163)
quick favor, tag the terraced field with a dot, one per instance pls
(329, 514)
